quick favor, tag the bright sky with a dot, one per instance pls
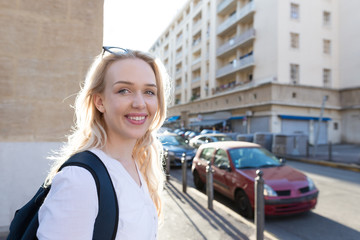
(136, 24)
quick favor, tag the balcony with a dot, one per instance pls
(246, 10)
(197, 79)
(178, 57)
(225, 5)
(179, 41)
(235, 66)
(197, 7)
(178, 89)
(195, 61)
(235, 42)
(178, 74)
(196, 27)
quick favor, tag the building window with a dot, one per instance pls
(327, 46)
(294, 12)
(326, 18)
(327, 77)
(294, 40)
(294, 73)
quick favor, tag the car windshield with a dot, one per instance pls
(253, 158)
(172, 140)
(223, 138)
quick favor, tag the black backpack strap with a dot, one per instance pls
(106, 222)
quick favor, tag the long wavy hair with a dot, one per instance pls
(89, 129)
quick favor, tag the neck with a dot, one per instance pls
(120, 150)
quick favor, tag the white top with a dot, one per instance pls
(70, 209)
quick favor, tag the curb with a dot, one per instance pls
(351, 167)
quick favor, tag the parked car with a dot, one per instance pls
(207, 131)
(175, 145)
(286, 190)
(207, 138)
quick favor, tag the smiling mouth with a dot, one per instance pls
(137, 118)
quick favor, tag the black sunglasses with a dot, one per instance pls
(114, 50)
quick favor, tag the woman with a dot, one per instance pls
(118, 111)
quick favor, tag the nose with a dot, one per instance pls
(138, 101)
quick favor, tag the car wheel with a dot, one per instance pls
(243, 204)
(197, 181)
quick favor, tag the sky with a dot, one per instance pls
(136, 24)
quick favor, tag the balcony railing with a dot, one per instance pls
(248, 8)
(197, 79)
(197, 6)
(196, 26)
(223, 5)
(179, 40)
(195, 61)
(235, 42)
(178, 57)
(235, 66)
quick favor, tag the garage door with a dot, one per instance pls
(290, 126)
(259, 124)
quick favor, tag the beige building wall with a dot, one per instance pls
(46, 48)
(266, 43)
(349, 36)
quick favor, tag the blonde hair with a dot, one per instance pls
(89, 130)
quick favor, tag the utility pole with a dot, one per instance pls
(325, 98)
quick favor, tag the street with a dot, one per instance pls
(336, 216)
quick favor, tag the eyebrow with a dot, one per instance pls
(130, 83)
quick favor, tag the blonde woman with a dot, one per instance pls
(118, 111)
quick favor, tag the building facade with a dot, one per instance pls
(266, 66)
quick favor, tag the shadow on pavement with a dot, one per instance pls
(212, 217)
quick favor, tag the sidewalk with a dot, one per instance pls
(186, 216)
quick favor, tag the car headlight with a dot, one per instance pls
(268, 191)
(310, 183)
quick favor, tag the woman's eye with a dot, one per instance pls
(150, 92)
(123, 91)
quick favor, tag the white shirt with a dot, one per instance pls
(70, 209)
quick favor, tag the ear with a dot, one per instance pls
(98, 101)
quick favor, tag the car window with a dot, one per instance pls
(207, 154)
(172, 140)
(221, 159)
(253, 158)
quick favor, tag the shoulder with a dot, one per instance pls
(72, 201)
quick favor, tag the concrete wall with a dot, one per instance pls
(46, 48)
(349, 43)
(266, 43)
(23, 168)
(309, 56)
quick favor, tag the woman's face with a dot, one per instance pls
(129, 101)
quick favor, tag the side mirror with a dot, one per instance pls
(225, 167)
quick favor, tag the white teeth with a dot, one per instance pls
(137, 118)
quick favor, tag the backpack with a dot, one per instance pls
(25, 222)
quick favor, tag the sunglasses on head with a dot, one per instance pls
(114, 50)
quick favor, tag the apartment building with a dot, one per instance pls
(286, 66)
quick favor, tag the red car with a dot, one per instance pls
(286, 190)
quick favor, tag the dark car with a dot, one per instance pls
(175, 145)
(286, 190)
